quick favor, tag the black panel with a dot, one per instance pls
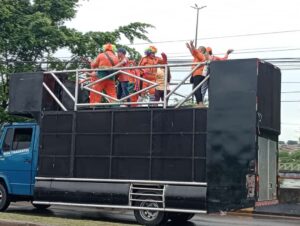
(268, 97)
(200, 120)
(82, 192)
(54, 166)
(25, 93)
(135, 168)
(132, 121)
(200, 145)
(129, 145)
(173, 121)
(91, 167)
(57, 123)
(200, 170)
(172, 145)
(231, 131)
(92, 144)
(172, 169)
(56, 144)
(45, 166)
(48, 103)
(185, 197)
(132, 150)
(93, 122)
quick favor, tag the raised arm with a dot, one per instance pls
(229, 51)
(190, 46)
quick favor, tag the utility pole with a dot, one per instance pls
(197, 8)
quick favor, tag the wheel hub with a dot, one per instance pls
(149, 215)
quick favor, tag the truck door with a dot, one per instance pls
(16, 158)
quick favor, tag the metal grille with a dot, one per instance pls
(144, 193)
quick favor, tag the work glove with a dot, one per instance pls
(229, 51)
(164, 57)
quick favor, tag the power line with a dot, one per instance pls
(219, 37)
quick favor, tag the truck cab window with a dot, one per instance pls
(22, 139)
(7, 143)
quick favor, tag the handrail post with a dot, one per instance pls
(76, 90)
(165, 87)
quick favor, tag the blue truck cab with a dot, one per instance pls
(18, 162)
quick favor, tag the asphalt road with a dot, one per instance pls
(126, 217)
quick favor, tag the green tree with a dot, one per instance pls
(33, 30)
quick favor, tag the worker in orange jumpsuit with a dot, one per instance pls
(123, 79)
(215, 58)
(134, 84)
(197, 76)
(212, 57)
(107, 59)
(150, 73)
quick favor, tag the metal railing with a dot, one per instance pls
(289, 167)
(113, 101)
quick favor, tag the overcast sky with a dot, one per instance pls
(175, 21)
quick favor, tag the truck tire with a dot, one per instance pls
(150, 217)
(4, 198)
(181, 217)
(40, 206)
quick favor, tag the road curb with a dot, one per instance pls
(253, 211)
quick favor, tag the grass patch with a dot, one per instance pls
(54, 221)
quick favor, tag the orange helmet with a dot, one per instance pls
(208, 49)
(109, 47)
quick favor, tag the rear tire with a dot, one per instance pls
(150, 217)
(181, 217)
(41, 206)
(4, 198)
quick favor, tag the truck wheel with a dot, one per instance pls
(4, 198)
(181, 217)
(150, 217)
(41, 206)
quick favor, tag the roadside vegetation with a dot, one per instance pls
(32, 220)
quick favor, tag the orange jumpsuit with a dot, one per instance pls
(149, 73)
(198, 57)
(136, 83)
(107, 85)
(94, 97)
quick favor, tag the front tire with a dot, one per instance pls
(150, 217)
(4, 198)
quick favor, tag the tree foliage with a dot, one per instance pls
(33, 30)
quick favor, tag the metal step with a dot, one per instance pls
(146, 193)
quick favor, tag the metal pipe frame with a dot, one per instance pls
(120, 207)
(165, 87)
(137, 77)
(183, 81)
(141, 182)
(102, 79)
(101, 94)
(193, 91)
(54, 97)
(124, 98)
(123, 68)
(63, 86)
(138, 92)
(76, 90)
(118, 103)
